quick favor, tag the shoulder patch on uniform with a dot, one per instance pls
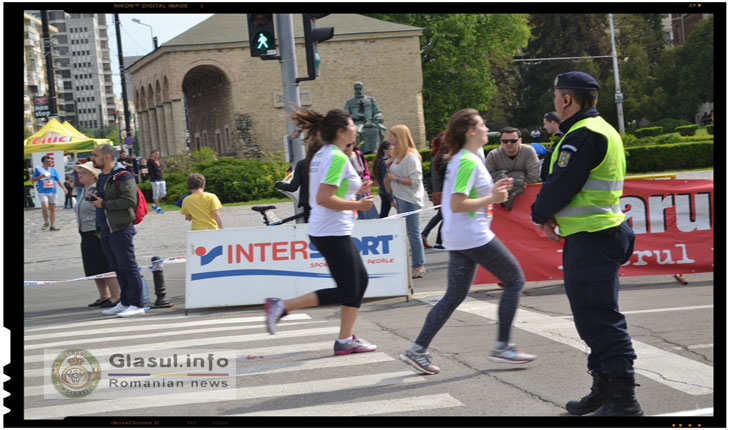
(563, 158)
(571, 147)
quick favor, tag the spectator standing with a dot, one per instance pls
(27, 185)
(200, 207)
(92, 254)
(46, 178)
(158, 182)
(125, 160)
(116, 200)
(581, 197)
(551, 124)
(405, 180)
(515, 160)
(143, 170)
(439, 158)
(333, 184)
(361, 167)
(135, 166)
(468, 190)
(299, 181)
(380, 168)
(68, 203)
(78, 185)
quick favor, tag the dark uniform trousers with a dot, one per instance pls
(590, 265)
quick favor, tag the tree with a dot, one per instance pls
(685, 74)
(559, 35)
(456, 55)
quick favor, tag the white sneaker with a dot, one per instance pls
(131, 311)
(115, 310)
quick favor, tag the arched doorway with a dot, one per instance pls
(209, 108)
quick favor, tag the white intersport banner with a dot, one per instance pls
(244, 266)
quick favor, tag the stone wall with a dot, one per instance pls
(389, 67)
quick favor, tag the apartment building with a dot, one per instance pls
(82, 58)
(35, 82)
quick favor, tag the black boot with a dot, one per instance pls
(621, 400)
(594, 399)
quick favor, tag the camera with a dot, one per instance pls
(90, 198)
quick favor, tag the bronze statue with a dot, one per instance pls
(366, 115)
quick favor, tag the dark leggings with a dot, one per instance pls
(499, 261)
(347, 269)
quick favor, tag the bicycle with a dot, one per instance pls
(268, 211)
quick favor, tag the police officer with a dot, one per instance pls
(581, 196)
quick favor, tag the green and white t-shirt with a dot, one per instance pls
(466, 174)
(331, 166)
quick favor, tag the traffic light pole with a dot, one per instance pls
(285, 33)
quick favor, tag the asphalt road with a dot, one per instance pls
(293, 373)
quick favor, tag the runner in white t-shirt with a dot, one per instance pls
(468, 192)
(333, 184)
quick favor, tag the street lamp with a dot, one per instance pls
(154, 42)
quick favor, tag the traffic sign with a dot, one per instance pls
(129, 140)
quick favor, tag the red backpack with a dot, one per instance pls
(141, 209)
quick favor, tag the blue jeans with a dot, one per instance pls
(119, 250)
(413, 227)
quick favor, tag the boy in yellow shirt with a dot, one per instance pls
(202, 208)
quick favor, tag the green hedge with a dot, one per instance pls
(648, 131)
(675, 156)
(669, 124)
(687, 130)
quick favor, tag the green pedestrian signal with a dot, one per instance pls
(262, 41)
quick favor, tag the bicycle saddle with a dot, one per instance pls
(262, 209)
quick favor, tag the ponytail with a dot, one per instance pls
(321, 129)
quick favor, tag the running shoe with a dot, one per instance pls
(420, 361)
(159, 211)
(54, 228)
(274, 312)
(511, 354)
(45, 226)
(355, 345)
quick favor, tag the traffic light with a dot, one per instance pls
(115, 115)
(312, 36)
(261, 36)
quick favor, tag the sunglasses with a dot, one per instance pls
(510, 140)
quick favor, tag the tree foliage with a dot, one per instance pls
(457, 51)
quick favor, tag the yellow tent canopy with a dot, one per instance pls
(55, 136)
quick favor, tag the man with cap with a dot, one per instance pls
(581, 197)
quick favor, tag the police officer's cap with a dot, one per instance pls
(576, 80)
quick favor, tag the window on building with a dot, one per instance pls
(228, 138)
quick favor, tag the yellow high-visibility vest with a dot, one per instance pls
(596, 206)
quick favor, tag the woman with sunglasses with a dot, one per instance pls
(333, 184)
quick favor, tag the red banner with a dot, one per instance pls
(672, 220)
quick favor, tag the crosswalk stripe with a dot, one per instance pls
(707, 412)
(269, 368)
(648, 311)
(194, 343)
(373, 407)
(246, 356)
(110, 320)
(244, 393)
(149, 327)
(670, 369)
(159, 334)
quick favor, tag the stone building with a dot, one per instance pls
(233, 101)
